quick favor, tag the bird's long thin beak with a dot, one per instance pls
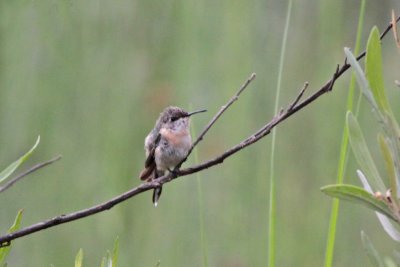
(197, 111)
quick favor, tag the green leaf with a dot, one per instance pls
(373, 70)
(13, 166)
(115, 252)
(17, 222)
(3, 255)
(373, 255)
(358, 195)
(362, 154)
(361, 79)
(79, 258)
(385, 222)
(389, 164)
(108, 259)
(103, 262)
(4, 251)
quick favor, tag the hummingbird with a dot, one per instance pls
(167, 145)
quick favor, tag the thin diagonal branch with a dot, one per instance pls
(216, 117)
(253, 138)
(299, 96)
(29, 171)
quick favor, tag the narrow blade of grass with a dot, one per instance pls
(272, 204)
(343, 150)
(203, 238)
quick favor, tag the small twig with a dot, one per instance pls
(216, 117)
(265, 130)
(29, 171)
(335, 76)
(299, 96)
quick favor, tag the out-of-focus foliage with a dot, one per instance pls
(373, 255)
(92, 76)
(373, 88)
(13, 166)
(79, 258)
(385, 203)
(110, 260)
(358, 195)
(5, 250)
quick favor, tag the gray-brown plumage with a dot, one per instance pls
(167, 144)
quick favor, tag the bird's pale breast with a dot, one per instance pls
(173, 147)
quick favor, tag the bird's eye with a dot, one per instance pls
(174, 118)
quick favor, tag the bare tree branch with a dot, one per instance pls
(262, 132)
(216, 117)
(299, 96)
(29, 171)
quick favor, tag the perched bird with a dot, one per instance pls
(167, 145)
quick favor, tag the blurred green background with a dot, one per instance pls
(91, 78)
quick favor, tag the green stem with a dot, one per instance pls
(203, 238)
(343, 150)
(272, 190)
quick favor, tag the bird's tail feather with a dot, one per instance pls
(156, 195)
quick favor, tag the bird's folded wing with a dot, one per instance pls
(150, 163)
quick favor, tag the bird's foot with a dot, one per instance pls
(173, 172)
